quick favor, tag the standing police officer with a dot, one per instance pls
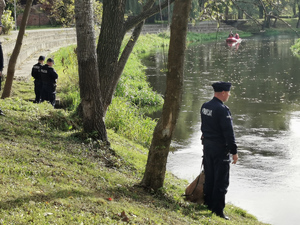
(219, 142)
(49, 77)
(36, 74)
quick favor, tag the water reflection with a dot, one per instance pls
(266, 110)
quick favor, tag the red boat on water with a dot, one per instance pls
(233, 39)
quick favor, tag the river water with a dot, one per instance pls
(265, 105)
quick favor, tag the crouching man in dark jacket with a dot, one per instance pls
(49, 79)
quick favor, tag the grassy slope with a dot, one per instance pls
(49, 175)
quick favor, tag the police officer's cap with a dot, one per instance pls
(41, 58)
(221, 86)
(50, 60)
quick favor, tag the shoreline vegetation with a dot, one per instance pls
(52, 173)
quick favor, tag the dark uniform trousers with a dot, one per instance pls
(216, 166)
(49, 92)
(38, 85)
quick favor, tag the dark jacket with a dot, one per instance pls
(217, 124)
(48, 75)
(36, 71)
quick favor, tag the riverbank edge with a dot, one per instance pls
(56, 152)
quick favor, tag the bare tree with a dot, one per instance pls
(157, 158)
(14, 56)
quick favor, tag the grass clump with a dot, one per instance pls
(127, 120)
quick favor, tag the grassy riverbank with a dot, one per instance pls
(51, 173)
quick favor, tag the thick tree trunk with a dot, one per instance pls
(14, 56)
(108, 50)
(88, 70)
(158, 153)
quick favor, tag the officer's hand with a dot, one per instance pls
(235, 158)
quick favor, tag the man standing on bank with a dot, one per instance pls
(218, 143)
(49, 78)
(36, 74)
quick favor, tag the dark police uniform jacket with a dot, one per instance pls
(217, 125)
(48, 75)
(36, 71)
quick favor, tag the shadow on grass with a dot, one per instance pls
(39, 197)
(161, 200)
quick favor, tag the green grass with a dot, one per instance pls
(53, 175)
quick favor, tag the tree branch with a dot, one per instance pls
(133, 39)
(128, 48)
(131, 23)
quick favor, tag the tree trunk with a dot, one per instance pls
(261, 12)
(108, 50)
(91, 103)
(240, 14)
(158, 153)
(298, 16)
(14, 56)
(226, 13)
(113, 30)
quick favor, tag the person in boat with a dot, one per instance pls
(231, 34)
(236, 36)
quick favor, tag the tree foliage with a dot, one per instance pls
(62, 11)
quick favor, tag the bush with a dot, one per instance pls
(296, 48)
(7, 21)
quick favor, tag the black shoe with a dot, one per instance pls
(222, 215)
(1, 113)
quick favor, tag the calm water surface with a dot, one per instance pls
(265, 104)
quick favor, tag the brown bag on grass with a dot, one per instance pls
(194, 192)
